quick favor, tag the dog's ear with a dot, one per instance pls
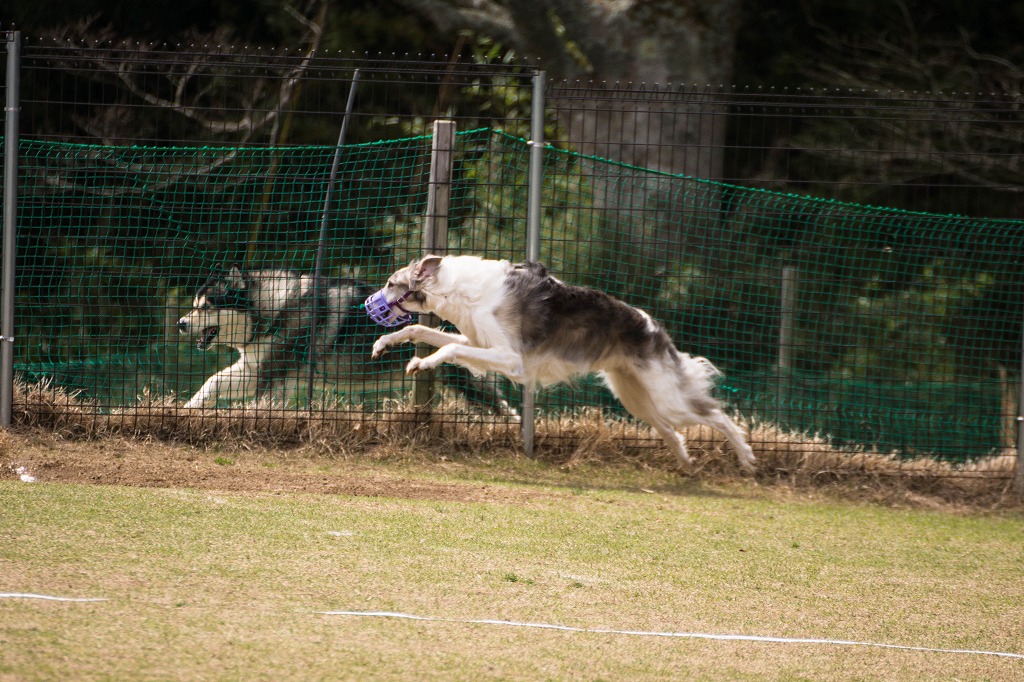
(235, 279)
(426, 268)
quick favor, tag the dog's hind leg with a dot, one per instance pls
(683, 399)
(718, 420)
(635, 397)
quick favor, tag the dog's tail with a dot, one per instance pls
(698, 376)
(710, 371)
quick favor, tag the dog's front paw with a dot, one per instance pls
(381, 346)
(417, 365)
(413, 367)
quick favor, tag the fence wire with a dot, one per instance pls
(903, 322)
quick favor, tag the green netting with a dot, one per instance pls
(114, 242)
(905, 325)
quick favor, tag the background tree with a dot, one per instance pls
(951, 74)
(901, 53)
(621, 44)
(650, 46)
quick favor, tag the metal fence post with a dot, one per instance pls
(435, 235)
(533, 215)
(12, 109)
(318, 266)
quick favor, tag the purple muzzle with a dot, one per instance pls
(387, 314)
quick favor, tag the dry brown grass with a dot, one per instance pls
(793, 459)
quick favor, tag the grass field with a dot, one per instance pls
(219, 563)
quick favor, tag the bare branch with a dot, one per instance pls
(191, 80)
(947, 135)
(486, 17)
(192, 85)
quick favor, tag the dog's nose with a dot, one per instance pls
(183, 326)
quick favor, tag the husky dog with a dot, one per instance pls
(536, 330)
(268, 316)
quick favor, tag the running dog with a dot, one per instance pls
(270, 317)
(521, 322)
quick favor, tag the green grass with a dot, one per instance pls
(212, 585)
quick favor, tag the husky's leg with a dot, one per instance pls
(416, 333)
(635, 397)
(234, 382)
(479, 361)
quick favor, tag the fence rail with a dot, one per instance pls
(865, 309)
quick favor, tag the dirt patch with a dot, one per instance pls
(117, 461)
(348, 452)
(419, 473)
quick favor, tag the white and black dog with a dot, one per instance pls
(536, 330)
(269, 316)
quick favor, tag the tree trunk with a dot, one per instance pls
(633, 81)
(652, 102)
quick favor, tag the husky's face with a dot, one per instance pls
(220, 313)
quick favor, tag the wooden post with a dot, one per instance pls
(787, 318)
(787, 324)
(435, 236)
(1019, 480)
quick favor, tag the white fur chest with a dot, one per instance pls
(468, 292)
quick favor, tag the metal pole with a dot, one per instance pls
(533, 214)
(12, 109)
(324, 219)
(435, 234)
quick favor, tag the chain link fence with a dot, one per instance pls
(866, 311)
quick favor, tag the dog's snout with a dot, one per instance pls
(183, 326)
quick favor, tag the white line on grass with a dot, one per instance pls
(28, 595)
(598, 631)
(684, 635)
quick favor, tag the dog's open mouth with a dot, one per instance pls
(206, 337)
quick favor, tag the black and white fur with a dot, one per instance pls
(536, 330)
(269, 317)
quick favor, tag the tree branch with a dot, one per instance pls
(947, 135)
(133, 71)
